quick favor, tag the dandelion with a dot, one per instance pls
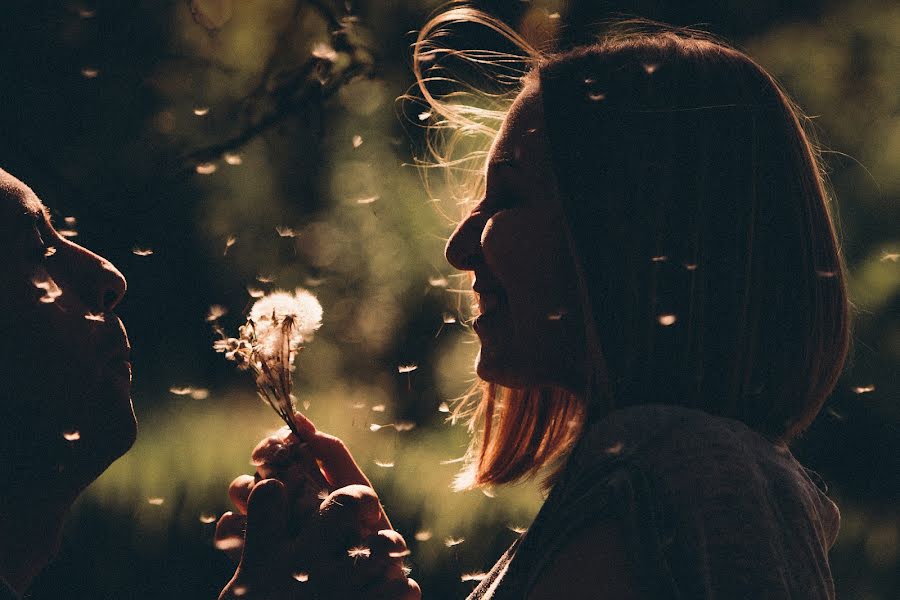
(269, 342)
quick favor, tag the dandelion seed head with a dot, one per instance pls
(301, 307)
(156, 501)
(206, 519)
(423, 535)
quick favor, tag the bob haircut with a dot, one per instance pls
(698, 219)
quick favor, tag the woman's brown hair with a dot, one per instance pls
(701, 227)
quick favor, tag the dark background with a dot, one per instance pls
(97, 114)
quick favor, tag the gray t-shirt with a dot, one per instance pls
(710, 509)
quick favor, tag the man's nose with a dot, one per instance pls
(463, 249)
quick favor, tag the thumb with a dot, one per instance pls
(266, 523)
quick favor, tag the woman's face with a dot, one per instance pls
(65, 375)
(530, 323)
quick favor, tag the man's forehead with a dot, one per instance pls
(16, 198)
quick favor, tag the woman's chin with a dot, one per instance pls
(499, 373)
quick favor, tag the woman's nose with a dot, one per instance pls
(463, 249)
(112, 286)
(101, 284)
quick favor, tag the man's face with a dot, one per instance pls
(65, 376)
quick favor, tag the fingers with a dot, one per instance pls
(266, 524)
(230, 535)
(239, 492)
(337, 463)
(352, 513)
(397, 589)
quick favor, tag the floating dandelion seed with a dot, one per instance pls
(825, 274)
(400, 553)
(68, 233)
(96, 317)
(139, 251)
(488, 492)
(385, 464)
(375, 427)
(229, 543)
(556, 316)
(424, 116)
(863, 389)
(614, 449)
(199, 394)
(72, 435)
(216, 312)
(181, 391)
(368, 200)
(207, 519)
(255, 292)
(407, 368)
(423, 535)
(267, 345)
(444, 407)
(206, 168)
(359, 552)
(358, 405)
(378, 408)
(661, 258)
(49, 251)
(650, 68)
(453, 460)
(890, 256)
(451, 541)
(438, 282)
(90, 72)
(85, 13)
(70, 221)
(404, 426)
(518, 529)
(265, 278)
(51, 290)
(286, 232)
(474, 576)
(357, 141)
(201, 111)
(833, 413)
(301, 577)
(232, 158)
(239, 590)
(666, 319)
(156, 501)
(324, 51)
(690, 266)
(229, 243)
(448, 318)
(553, 16)
(596, 96)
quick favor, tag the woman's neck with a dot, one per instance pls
(30, 534)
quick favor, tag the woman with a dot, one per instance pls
(662, 309)
(65, 402)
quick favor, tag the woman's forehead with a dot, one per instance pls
(521, 138)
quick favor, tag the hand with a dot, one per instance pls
(343, 547)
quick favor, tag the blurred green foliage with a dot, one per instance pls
(258, 144)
